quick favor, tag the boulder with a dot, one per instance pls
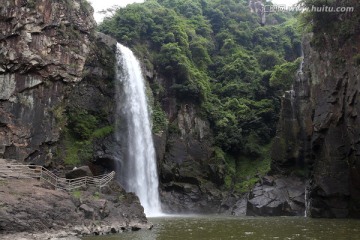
(79, 172)
(89, 212)
(283, 196)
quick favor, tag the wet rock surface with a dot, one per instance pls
(272, 196)
(319, 127)
(189, 177)
(186, 171)
(334, 189)
(277, 197)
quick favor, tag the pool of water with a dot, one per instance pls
(218, 228)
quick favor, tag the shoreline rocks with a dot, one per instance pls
(30, 210)
(273, 196)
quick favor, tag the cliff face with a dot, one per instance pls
(335, 149)
(47, 48)
(44, 45)
(319, 127)
(56, 76)
(189, 176)
(56, 90)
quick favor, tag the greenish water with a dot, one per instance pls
(219, 228)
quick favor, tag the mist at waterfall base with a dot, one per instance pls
(137, 170)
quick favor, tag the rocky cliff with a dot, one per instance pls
(189, 176)
(57, 103)
(319, 126)
(44, 47)
(29, 205)
(56, 110)
(56, 91)
(52, 65)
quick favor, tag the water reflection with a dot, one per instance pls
(215, 228)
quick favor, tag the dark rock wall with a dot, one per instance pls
(319, 128)
(189, 179)
(335, 76)
(50, 59)
(292, 144)
(44, 47)
(96, 94)
(271, 196)
(284, 196)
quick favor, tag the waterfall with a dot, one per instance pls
(307, 200)
(300, 75)
(137, 169)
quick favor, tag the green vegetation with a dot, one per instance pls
(3, 182)
(96, 195)
(76, 194)
(85, 6)
(216, 54)
(357, 59)
(81, 131)
(102, 132)
(249, 172)
(71, 151)
(283, 76)
(244, 172)
(60, 115)
(82, 124)
(160, 121)
(342, 25)
(31, 3)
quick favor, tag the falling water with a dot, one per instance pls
(307, 200)
(302, 91)
(300, 75)
(138, 171)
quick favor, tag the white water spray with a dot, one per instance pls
(138, 170)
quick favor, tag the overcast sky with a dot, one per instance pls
(99, 5)
(287, 2)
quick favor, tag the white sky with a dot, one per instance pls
(287, 2)
(99, 5)
(104, 4)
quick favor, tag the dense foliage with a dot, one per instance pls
(82, 129)
(215, 53)
(341, 20)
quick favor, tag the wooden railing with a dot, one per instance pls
(39, 172)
